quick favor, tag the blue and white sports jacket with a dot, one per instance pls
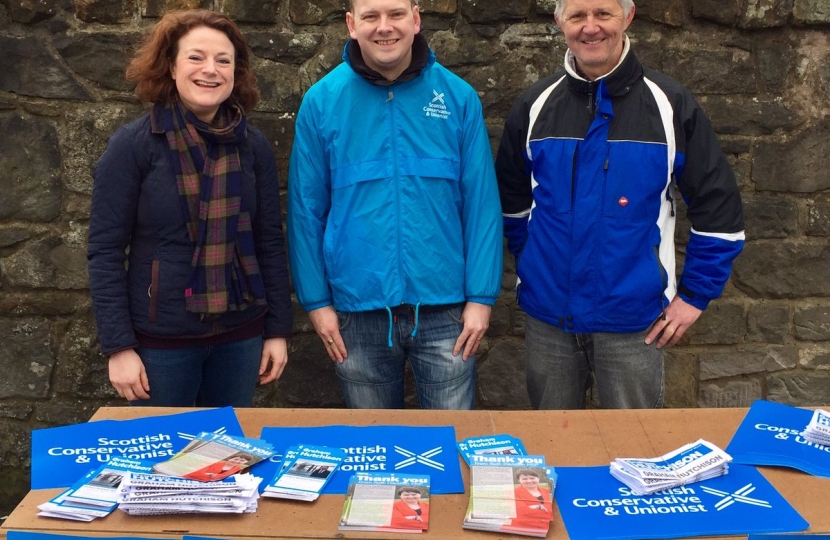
(392, 196)
(585, 171)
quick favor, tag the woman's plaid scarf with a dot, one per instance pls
(225, 274)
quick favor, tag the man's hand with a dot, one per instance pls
(275, 353)
(327, 326)
(128, 376)
(679, 317)
(476, 319)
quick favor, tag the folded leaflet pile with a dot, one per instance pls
(818, 430)
(690, 463)
(154, 494)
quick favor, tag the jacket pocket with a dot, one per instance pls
(153, 291)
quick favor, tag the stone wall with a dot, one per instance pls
(760, 68)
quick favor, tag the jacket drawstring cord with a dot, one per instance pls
(389, 335)
(417, 320)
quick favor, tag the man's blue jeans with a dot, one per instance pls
(628, 373)
(216, 376)
(372, 376)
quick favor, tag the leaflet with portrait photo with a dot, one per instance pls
(510, 493)
(304, 472)
(213, 456)
(386, 502)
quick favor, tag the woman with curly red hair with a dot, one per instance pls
(202, 310)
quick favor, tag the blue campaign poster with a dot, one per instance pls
(595, 506)
(789, 537)
(27, 535)
(392, 449)
(770, 434)
(62, 455)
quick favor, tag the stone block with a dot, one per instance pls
(770, 216)
(501, 378)
(30, 161)
(33, 11)
(47, 303)
(747, 115)
(768, 323)
(500, 322)
(104, 11)
(813, 323)
(764, 13)
(16, 412)
(722, 323)
(455, 51)
(26, 357)
(681, 379)
(10, 236)
(815, 357)
(157, 8)
(774, 57)
(101, 58)
(288, 47)
(720, 70)
(315, 11)
(800, 164)
(799, 389)
(477, 11)
(309, 379)
(279, 88)
(783, 269)
(719, 11)
(818, 220)
(62, 412)
(811, 12)
(668, 12)
(731, 394)
(46, 264)
(83, 139)
(250, 11)
(444, 7)
(280, 131)
(545, 7)
(718, 365)
(82, 370)
(529, 35)
(519, 321)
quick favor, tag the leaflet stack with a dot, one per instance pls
(690, 463)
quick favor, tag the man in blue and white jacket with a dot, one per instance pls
(587, 169)
(394, 222)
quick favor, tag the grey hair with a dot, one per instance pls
(626, 6)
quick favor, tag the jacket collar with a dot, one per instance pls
(617, 82)
(422, 57)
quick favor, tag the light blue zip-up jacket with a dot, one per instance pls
(392, 196)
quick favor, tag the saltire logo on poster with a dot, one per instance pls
(596, 506)
(409, 450)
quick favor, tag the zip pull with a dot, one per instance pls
(590, 98)
(668, 194)
(605, 167)
(391, 96)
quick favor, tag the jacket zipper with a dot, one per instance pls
(391, 105)
(664, 278)
(152, 291)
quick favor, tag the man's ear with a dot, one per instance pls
(350, 24)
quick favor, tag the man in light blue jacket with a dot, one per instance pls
(394, 221)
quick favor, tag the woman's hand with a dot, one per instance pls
(128, 376)
(274, 358)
